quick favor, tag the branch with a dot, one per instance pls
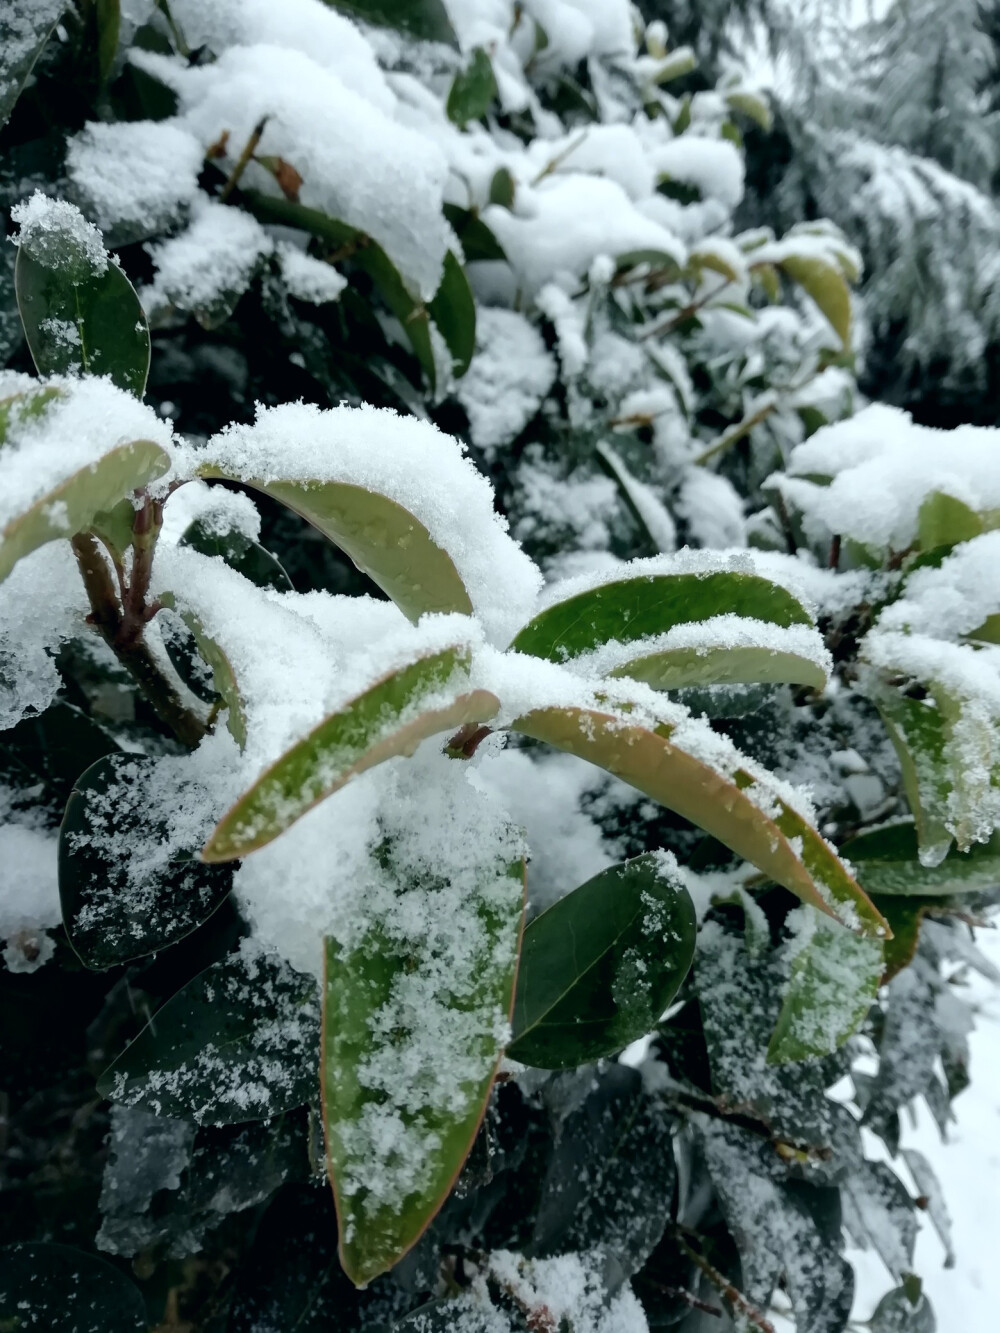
(129, 646)
(722, 1284)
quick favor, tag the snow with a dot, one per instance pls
(134, 176)
(712, 166)
(29, 892)
(410, 462)
(210, 262)
(510, 374)
(307, 278)
(55, 232)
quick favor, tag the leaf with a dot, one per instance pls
(47, 753)
(610, 1182)
(503, 188)
(472, 90)
(90, 324)
(879, 1214)
(945, 521)
(834, 980)
(425, 19)
(642, 606)
(224, 678)
(475, 238)
(825, 283)
(932, 1199)
(392, 717)
(887, 863)
(753, 106)
(677, 667)
(109, 17)
(71, 506)
(919, 734)
(384, 540)
(895, 1313)
(247, 557)
(116, 909)
(25, 27)
(46, 1287)
(240, 1042)
(453, 310)
(412, 1028)
(645, 506)
(599, 968)
(367, 254)
(786, 847)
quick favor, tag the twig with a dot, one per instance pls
(735, 433)
(249, 148)
(130, 647)
(685, 313)
(726, 1289)
(466, 741)
(559, 158)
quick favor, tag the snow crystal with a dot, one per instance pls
(57, 235)
(412, 463)
(134, 176)
(570, 1290)
(510, 374)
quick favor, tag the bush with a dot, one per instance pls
(293, 722)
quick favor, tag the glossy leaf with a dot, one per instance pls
(404, 1089)
(824, 282)
(109, 917)
(944, 521)
(476, 239)
(887, 863)
(424, 19)
(25, 27)
(472, 90)
(785, 847)
(453, 310)
(247, 557)
(45, 1287)
(71, 506)
(918, 729)
(834, 980)
(88, 323)
(48, 753)
(601, 965)
(680, 667)
(392, 717)
(240, 1042)
(384, 540)
(640, 607)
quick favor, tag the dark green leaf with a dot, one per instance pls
(108, 15)
(49, 1287)
(879, 1214)
(25, 27)
(49, 752)
(472, 89)
(425, 19)
(240, 1042)
(502, 188)
(648, 604)
(600, 967)
(476, 239)
(887, 862)
(82, 321)
(121, 898)
(896, 1314)
(610, 1183)
(247, 557)
(453, 311)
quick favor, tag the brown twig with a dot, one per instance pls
(685, 313)
(722, 1284)
(249, 148)
(467, 740)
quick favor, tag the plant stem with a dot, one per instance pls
(130, 647)
(725, 1288)
(249, 148)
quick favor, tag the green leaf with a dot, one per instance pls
(887, 862)
(424, 19)
(71, 506)
(503, 188)
(476, 239)
(240, 1042)
(453, 311)
(785, 847)
(47, 753)
(834, 979)
(25, 27)
(79, 320)
(896, 1313)
(384, 540)
(599, 968)
(825, 283)
(224, 678)
(945, 521)
(412, 1027)
(392, 717)
(109, 18)
(109, 917)
(247, 557)
(753, 106)
(472, 90)
(45, 1287)
(918, 729)
(646, 605)
(679, 667)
